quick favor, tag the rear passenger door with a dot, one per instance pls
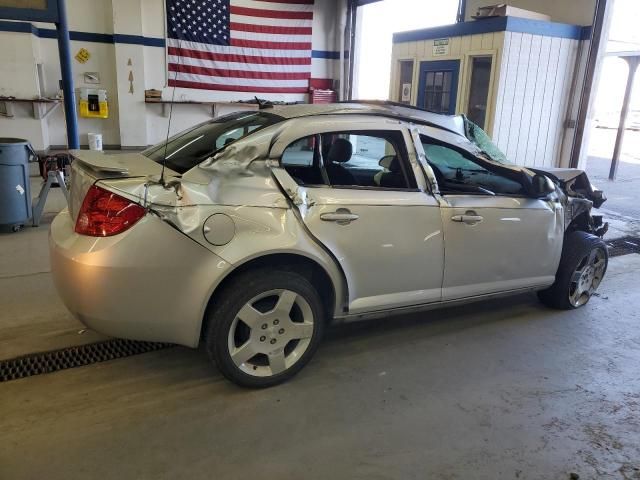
(357, 192)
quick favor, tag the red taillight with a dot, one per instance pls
(104, 213)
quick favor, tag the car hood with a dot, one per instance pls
(575, 183)
(564, 174)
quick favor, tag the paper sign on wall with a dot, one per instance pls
(440, 47)
(83, 55)
(406, 92)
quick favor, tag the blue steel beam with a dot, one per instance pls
(64, 50)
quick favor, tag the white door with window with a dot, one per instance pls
(362, 200)
(496, 237)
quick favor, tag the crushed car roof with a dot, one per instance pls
(453, 123)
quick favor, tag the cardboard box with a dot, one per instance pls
(504, 10)
(153, 95)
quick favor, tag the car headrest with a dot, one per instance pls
(391, 163)
(340, 151)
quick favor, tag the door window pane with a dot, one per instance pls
(460, 173)
(364, 160)
(430, 76)
(301, 160)
(438, 91)
(299, 153)
(479, 90)
(406, 79)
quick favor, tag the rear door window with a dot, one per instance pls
(301, 159)
(356, 159)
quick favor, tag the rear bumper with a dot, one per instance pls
(149, 283)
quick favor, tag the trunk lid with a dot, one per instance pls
(89, 166)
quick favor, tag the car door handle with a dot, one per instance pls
(470, 218)
(342, 216)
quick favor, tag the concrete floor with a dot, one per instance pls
(500, 389)
(33, 318)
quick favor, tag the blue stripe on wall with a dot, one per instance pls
(328, 54)
(586, 32)
(138, 40)
(20, 27)
(79, 36)
(325, 54)
(495, 24)
(548, 29)
(26, 27)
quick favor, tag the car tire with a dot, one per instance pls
(262, 311)
(583, 265)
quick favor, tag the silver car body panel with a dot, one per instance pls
(453, 123)
(397, 230)
(402, 253)
(564, 174)
(516, 245)
(247, 193)
(149, 283)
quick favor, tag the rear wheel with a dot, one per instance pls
(266, 327)
(582, 267)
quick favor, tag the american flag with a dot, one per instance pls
(240, 45)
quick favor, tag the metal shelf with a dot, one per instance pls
(42, 107)
(213, 106)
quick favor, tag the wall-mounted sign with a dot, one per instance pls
(440, 47)
(91, 77)
(83, 55)
(406, 92)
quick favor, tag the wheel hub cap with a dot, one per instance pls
(587, 277)
(280, 325)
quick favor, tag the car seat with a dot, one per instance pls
(339, 152)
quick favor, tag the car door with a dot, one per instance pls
(496, 237)
(371, 211)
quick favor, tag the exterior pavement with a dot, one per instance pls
(622, 208)
(500, 389)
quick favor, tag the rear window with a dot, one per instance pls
(189, 148)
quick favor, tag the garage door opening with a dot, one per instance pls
(616, 81)
(377, 23)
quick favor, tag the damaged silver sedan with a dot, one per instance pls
(251, 231)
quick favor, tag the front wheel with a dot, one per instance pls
(582, 267)
(266, 327)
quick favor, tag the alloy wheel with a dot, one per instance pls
(271, 332)
(587, 277)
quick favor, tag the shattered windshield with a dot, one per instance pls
(480, 139)
(189, 148)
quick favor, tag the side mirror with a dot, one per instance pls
(542, 186)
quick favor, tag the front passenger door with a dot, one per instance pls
(496, 238)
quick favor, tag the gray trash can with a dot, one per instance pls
(15, 194)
